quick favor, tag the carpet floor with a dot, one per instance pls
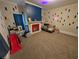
(46, 45)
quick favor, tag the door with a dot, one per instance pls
(19, 20)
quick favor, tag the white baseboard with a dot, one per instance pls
(69, 33)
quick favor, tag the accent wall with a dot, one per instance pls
(33, 12)
(65, 18)
(6, 18)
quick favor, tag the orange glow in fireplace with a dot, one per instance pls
(35, 27)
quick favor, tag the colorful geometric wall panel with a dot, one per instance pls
(61, 12)
(57, 20)
(49, 17)
(60, 21)
(62, 24)
(61, 18)
(13, 9)
(77, 13)
(73, 22)
(64, 20)
(75, 16)
(48, 12)
(5, 18)
(69, 24)
(66, 9)
(55, 13)
(6, 8)
(69, 10)
(76, 27)
(67, 16)
(53, 19)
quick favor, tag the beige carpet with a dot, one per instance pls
(45, 45)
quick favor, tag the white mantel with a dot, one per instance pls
(33, 23)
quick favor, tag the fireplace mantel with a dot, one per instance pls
(35, 28)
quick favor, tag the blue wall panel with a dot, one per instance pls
(19, 20)
(34, 12)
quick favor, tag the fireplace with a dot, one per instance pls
(35, 27)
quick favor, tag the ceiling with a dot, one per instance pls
(51, 3)
(54, 3)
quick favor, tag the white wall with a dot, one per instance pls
(4, 32)
(9, 21)
(9, 12)
(59, 18)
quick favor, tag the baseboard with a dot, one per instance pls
(69, 33)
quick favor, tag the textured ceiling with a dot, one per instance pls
(53, 3)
